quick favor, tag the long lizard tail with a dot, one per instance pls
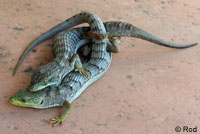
(73, 21)
(50, 33)
(115, 28)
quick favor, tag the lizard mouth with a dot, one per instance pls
(22, 103)
(19, 103)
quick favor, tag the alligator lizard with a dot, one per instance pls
(111, 27)
(72, 86)
(52, 73)
(44, 76)
(74, 83)
(65, 45)
(99, 60)
(123, 29)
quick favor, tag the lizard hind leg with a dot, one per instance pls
(59, 120)
(113, 44)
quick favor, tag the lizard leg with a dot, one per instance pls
(59, 120)
(94, 35)
(76, 63)
(113, 44)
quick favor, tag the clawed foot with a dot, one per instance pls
(113, 39)
(82, 71)
(56, 121)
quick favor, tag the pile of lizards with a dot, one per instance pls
(61, 81)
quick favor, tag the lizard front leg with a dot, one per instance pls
(59, 120)
(77, 64)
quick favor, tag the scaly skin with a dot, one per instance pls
(123, 28)
(53, 73)
(83, 17)
(72, 86)
(100, 59)
(65, 45)
(47, 75)
(75, 83)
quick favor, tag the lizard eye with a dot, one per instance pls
(44, 82)
(23, 100)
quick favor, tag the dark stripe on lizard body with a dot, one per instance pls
(64, 47)
(124, 29)
(73, 84)
(54, 76)
(114, 28)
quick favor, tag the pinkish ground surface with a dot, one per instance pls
(148, 89)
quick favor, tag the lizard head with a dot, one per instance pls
(46, 75)
(41, 99)
(41, 79)
(25, 98)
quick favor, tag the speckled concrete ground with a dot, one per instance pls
(148, 89)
